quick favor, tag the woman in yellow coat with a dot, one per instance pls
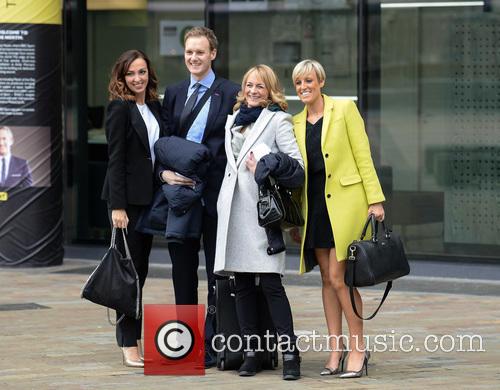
(341, 190)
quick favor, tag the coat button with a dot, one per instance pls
(328, 196)
(326, 155)
(329, 175)
(228, 174)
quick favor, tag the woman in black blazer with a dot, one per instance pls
(132, 127)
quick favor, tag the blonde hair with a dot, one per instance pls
(272, 84)
(308, 66)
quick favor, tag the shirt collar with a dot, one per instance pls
(207, 81)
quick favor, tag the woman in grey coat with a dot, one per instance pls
(258, 126)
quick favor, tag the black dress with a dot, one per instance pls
(319, 230)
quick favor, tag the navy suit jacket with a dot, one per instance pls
(221, 105)
(19, 174)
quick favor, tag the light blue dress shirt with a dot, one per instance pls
(197, 129)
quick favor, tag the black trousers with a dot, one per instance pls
(185, 261)
(279, 306)
(129, 330)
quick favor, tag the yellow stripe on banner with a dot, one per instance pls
(4, 196)
(31, 11)
(107, 5)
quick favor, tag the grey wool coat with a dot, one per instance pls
(241, 242)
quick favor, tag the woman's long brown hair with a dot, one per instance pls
(118, 88)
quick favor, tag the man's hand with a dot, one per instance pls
(174, 178)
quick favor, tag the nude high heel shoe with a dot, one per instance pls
(141, 351)
(131, 362)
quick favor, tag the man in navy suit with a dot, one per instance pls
(14, 171)
(189, 114)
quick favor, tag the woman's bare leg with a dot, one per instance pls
(355, 324)
(332, 309)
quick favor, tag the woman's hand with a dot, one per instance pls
(295, 235)
(377, 210)
(119, 218)
(251, 163)
(173, 178)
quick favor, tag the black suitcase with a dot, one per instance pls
(230, 357)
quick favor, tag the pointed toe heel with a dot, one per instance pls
(131, 362)
(357, 374)
(335, 371)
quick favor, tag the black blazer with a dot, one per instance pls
(221, 105)
(129, 177)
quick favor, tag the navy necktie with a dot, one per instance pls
(189, 106)
(4, 169)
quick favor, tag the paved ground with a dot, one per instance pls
(68, 343)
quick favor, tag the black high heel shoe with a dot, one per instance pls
(340, 367)
(357, 374)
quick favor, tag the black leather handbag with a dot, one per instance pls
(374, 261)
(277, 207)
(115, 283)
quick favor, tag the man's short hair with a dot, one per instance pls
(202, 32)
(8, 130)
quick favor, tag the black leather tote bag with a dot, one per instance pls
(277, 207)
(374, 261)
(115, 283)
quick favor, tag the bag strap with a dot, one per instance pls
(125, 244)
(353, 302)
(112, 244)
(188, 122)
(117, 321)
(374, 224)
(351, 287)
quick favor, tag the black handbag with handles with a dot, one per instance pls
(277, 207)
(115, 283)
(374, 261)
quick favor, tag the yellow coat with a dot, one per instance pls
(351, 181)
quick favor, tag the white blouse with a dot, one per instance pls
(152, 126)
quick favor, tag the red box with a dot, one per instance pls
(174, 339)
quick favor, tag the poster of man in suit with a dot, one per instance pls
(14, 171)
(25, 160)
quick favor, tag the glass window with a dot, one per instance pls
(440, 126)
(281, 33)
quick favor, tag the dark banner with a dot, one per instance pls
(30, 133)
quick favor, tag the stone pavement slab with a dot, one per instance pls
(68, 344)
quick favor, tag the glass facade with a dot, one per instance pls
(425, 76)
(440, 125)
